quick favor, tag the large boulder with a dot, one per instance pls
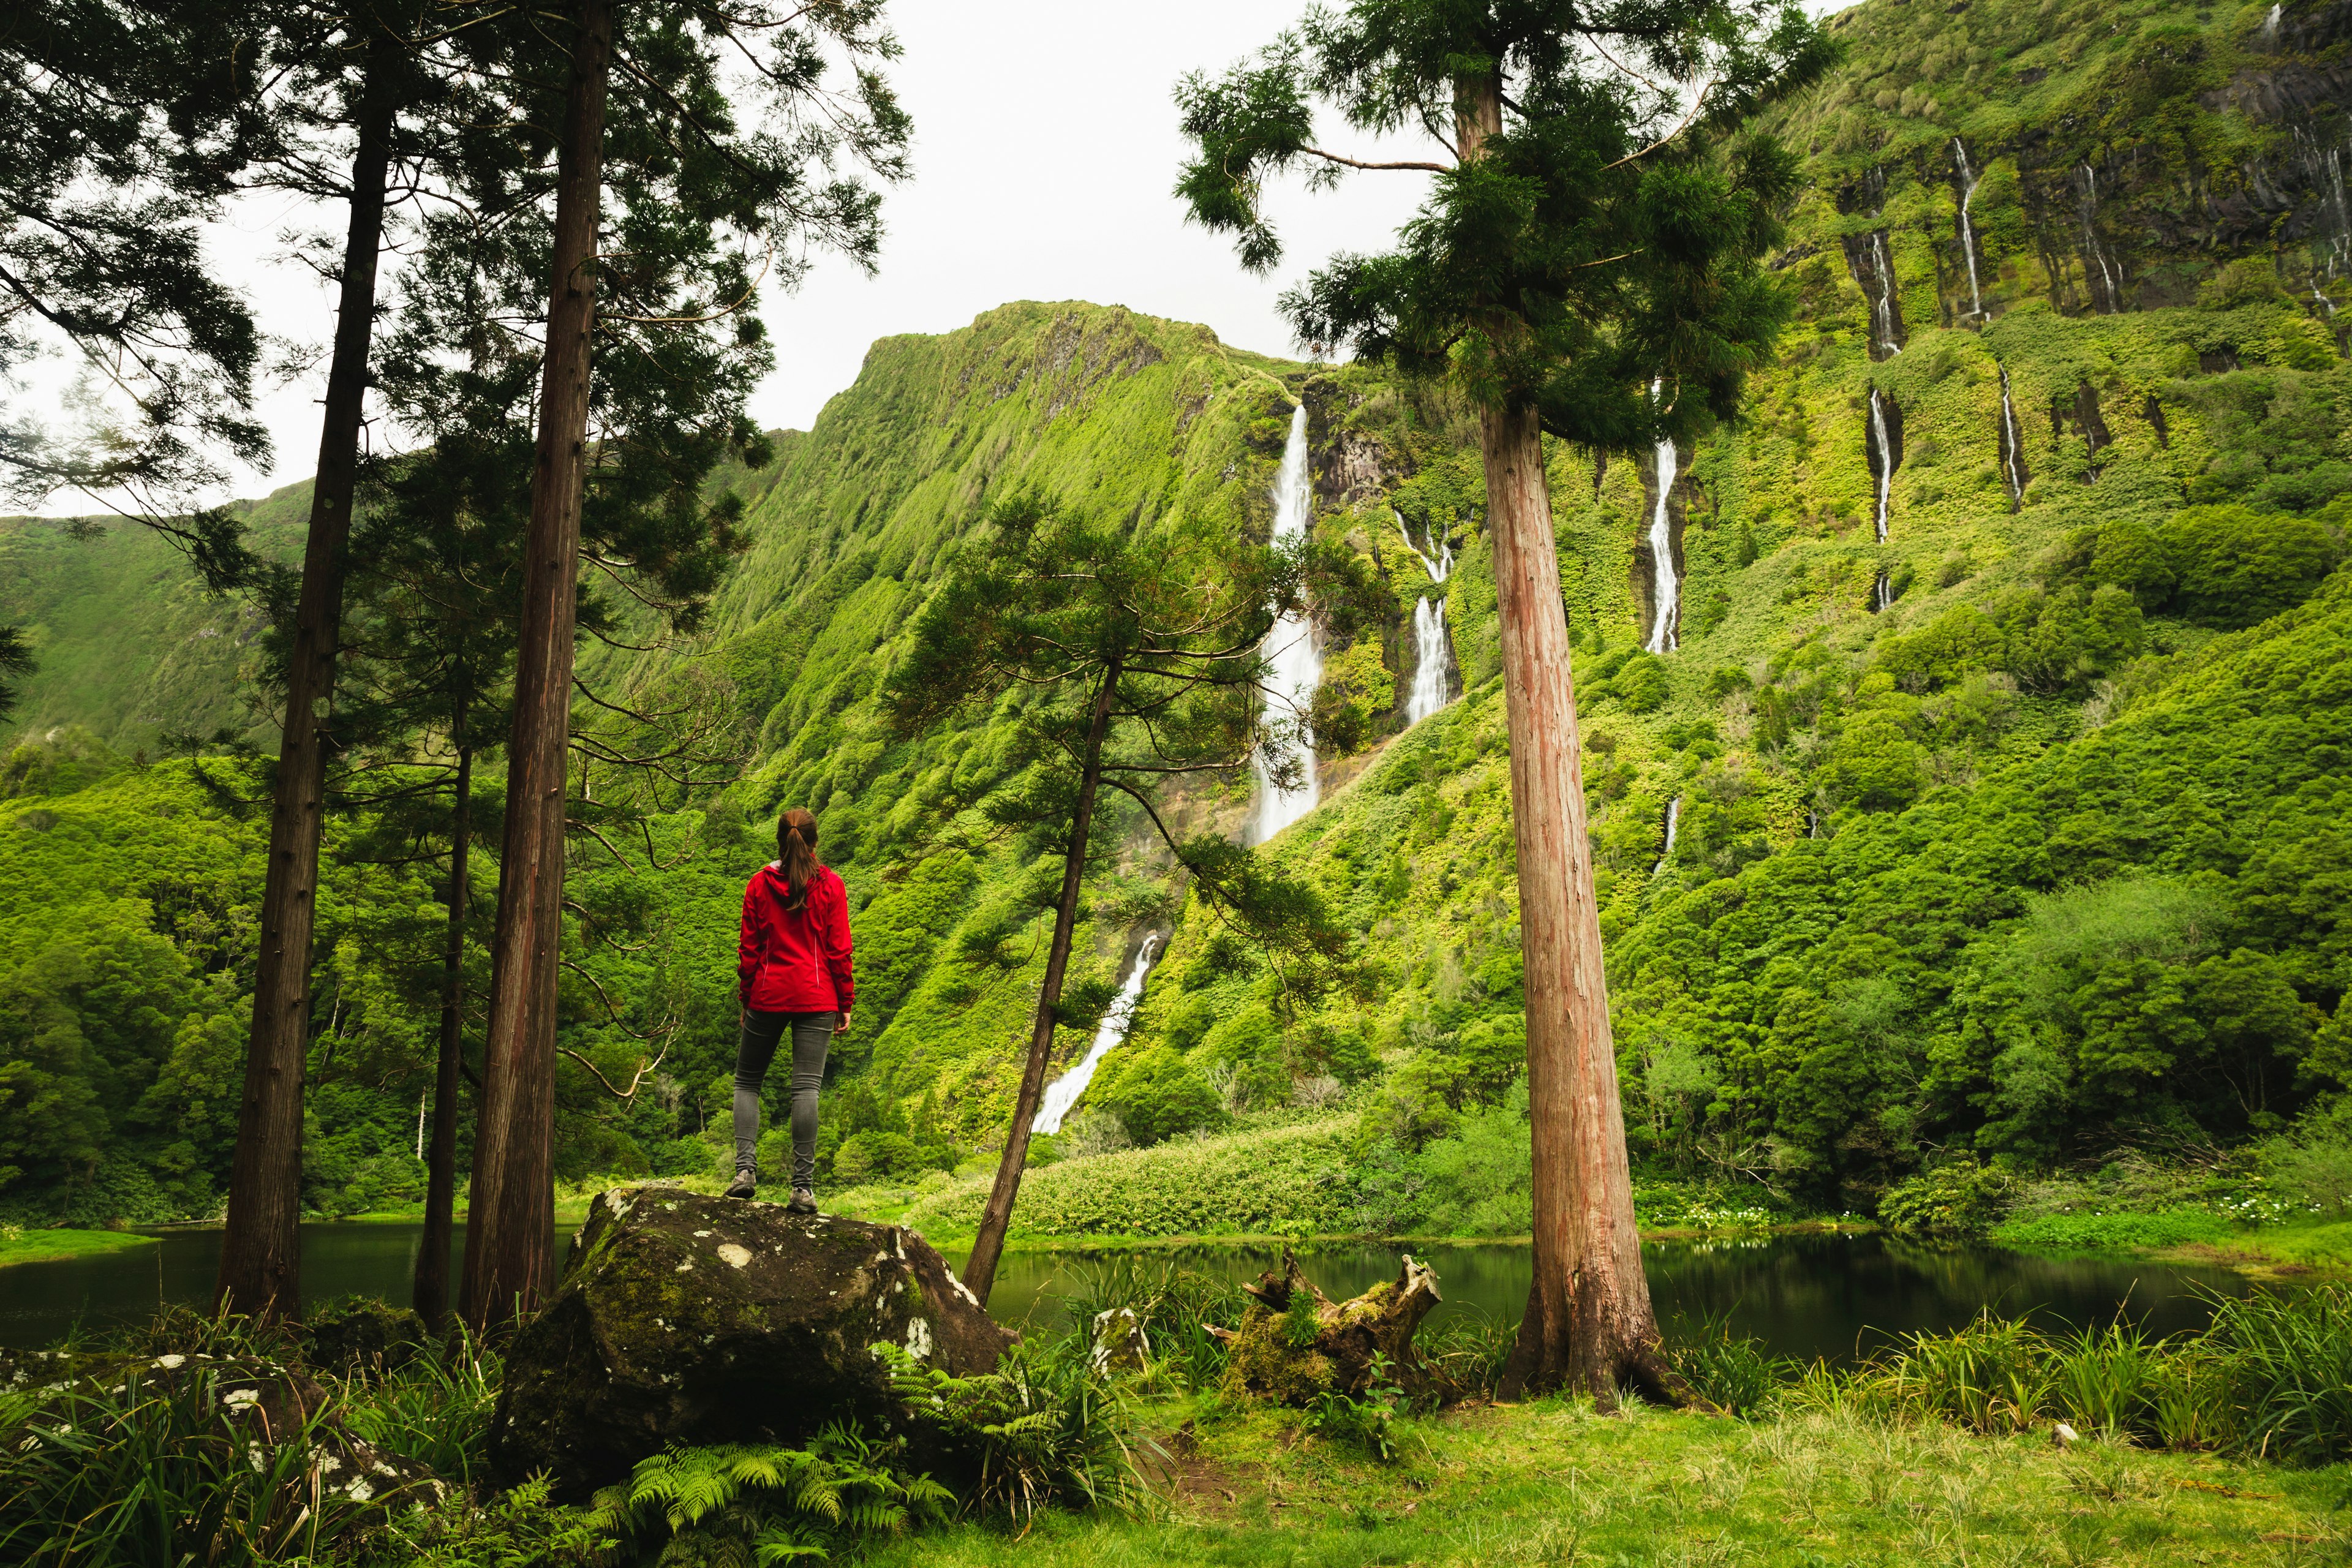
(684, 1319)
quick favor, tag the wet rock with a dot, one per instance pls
(685, 1318)
(362, 1338)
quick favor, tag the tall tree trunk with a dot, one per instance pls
(431, 1297)
(260, 1265)
(988, 1245)
(510, 1220)
(1588, 1323)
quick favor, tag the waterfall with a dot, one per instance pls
(1883, 594)
(2270, 26)
(1674, 820)
(1063, 1092)
(1432, 689)
(2090, 208)
(1882, 304)
(1885, 449)
(2013, 447)
(1665, 629)
(1967, 233)
(1290, 647)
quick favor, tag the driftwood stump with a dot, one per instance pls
(1296, 1343)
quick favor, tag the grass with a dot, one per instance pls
(1552, 1482)
(17, 1246)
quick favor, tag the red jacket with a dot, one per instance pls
(794, 961)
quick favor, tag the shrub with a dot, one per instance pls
(1155, 1093)
(2238, 566)
(1287, 1181)
(1957, 1199)
(875, 1156)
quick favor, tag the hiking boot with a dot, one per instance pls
(804, 1201)
(746, 1184)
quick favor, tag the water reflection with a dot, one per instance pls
(1802, 1295)
(1806, 1296)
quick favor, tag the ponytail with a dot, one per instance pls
(797, 854)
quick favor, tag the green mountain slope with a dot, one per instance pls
(128, 644)
(2014, 834)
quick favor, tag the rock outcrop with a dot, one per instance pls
(685, 1318)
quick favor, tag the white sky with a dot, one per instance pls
(1045, 149)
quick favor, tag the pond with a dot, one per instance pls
(1804, 1295)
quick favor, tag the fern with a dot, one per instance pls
(1040, 1430)
(750, 1504)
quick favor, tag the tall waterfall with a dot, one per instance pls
(2095, 253)
(1290, 647)
(2013, 447)
(1882, 302)
(1674, 821)
(1665, 631)
(1433, 689)
(1063, 1092)
(1885, 449)
(1968, 232)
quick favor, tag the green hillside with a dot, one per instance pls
(2015, 837)
(128, 644)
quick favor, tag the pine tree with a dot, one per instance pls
(362, 84)
(1595, 226)
(1142, 658)
(125, 124)
(665, 213)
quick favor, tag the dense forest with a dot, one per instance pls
(1976, 799)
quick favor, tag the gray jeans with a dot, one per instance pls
(755, 1047)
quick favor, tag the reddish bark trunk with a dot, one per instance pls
(511, 1219)
(1588, 1323)
(260, 1265)
(431, 1293)
(988, 1246)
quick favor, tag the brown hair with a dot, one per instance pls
(796, 853)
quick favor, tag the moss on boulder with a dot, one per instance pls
(1296, 1343)
(686, 1319)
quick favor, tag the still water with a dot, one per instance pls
(1805, 1296)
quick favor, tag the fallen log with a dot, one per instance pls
(1296, 1343)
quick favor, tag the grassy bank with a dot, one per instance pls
(1993, 1446)
(50, 1246)
(1553, 1482)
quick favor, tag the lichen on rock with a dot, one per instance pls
(694, 1320)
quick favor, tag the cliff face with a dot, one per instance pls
(1964, 726)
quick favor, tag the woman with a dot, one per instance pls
(792, 971)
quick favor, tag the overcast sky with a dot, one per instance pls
(1046, 148)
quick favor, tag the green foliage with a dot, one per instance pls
(134, 1469)
(2235, 566)
(767, 1505)
(2286, 1361)
(1366, 1423)
(1041, 1431)
(1155, 1092)
(1275, 1180)
(1734, 1375)
(1955, 1199)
